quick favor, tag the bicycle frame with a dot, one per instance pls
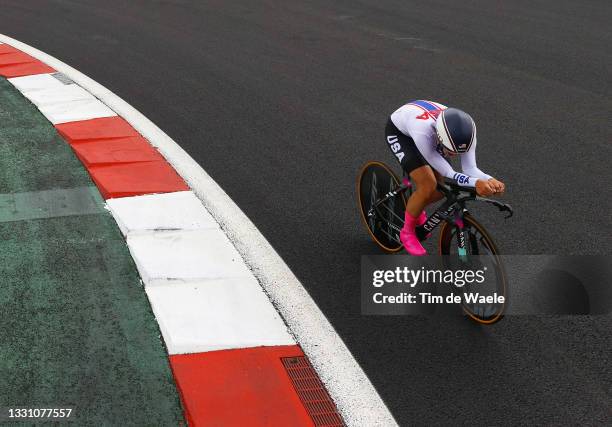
(452, 210)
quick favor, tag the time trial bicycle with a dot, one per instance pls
(382, 202)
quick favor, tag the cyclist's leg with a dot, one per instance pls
(407, 154)
(436, 195)
(425, 181)
(410, 158)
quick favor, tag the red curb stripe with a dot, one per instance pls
(239, 387)
(15, 63)
(136, 179)
(116, 150)
(120, 161)
(102, 128)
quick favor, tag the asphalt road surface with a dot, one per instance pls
(282, 101)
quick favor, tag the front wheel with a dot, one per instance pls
(479, 243)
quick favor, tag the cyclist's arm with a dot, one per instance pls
(439, 163)
(468, 164)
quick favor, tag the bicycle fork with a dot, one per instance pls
(461, 248)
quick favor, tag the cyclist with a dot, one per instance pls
(422, 135)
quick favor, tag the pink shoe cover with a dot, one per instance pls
(409, 238)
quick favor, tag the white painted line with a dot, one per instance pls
(35, 82)
(353, 393)
(170, 211)
(185, 255)
(216, 315)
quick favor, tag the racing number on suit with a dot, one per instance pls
(429, 115)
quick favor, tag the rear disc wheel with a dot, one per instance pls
(384, 222)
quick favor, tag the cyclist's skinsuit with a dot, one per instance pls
(411, 136)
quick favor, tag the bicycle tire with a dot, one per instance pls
(445, 241)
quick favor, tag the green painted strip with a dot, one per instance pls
(50, 204)
(76, 328)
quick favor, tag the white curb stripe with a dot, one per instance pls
(58, 95)
(195, 315)
(186, 255)
(354, 395)
(35, 82)
(59, 102)
(169, 211)
(74, 111)
(216, 315)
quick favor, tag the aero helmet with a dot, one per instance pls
(456, 130)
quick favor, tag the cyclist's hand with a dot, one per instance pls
(498, 186)
(484, 188)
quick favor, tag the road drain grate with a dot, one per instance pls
(312, 393)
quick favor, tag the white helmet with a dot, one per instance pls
(456, 130)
